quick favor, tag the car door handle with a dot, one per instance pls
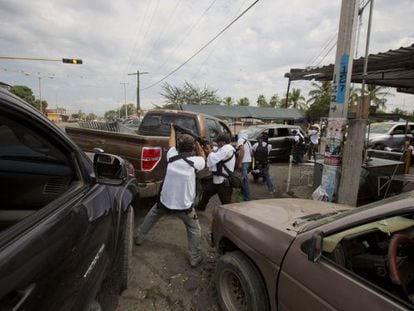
(23, 295)
(100, 141)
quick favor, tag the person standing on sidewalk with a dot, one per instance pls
(261, 150)
(313, 135)
(244, 162)
(178, 193)
(224, 155)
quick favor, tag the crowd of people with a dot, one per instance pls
(186, 157)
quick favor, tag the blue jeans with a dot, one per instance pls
(246, 188)
(266, 177)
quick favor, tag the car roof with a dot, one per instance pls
(182, 112)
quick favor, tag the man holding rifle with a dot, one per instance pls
(178, 192)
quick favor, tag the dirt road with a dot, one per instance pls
(162, 278)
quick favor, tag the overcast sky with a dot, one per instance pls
(114, 38)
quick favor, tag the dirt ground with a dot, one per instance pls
(161, 277)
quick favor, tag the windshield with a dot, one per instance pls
(252, 132)
(380, 128)
(343, 213)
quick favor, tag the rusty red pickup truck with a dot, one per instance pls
(147, 149)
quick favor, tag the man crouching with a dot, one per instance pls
(178, 193)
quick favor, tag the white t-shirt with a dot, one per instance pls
(179, 188)
(314, 136)
(247, 157)
(222, 153)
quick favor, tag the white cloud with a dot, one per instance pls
(117, 38)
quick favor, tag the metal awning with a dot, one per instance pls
(394, 68)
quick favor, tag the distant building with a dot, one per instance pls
(57, 115)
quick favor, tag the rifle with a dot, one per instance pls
(201, 140)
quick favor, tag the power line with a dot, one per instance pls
(203, 47)
(186, 35)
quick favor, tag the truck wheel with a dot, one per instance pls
(126, 250)
(239, 284)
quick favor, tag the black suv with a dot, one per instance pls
(65, 222)
(280, 137)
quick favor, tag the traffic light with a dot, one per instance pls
(72, 61)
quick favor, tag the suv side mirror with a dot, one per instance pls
(110, 169)
(315, 246)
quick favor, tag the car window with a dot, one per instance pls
(283, 132)
(34, 169)
(159, 124)
(212, 128)
(223, 128)
(271, 133)
(380, 128)
(398, 130)
(379, 252)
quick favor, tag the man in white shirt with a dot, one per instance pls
(244, 162)
(313, 134)
(178, 193)
(225, 155)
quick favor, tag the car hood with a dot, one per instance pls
(269, 226)
(287, 215)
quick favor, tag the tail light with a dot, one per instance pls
(150, 156)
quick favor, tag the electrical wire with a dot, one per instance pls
(161, 34)
(185, 36)
(136, 37)
(203, 47)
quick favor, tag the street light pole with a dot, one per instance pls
(126, 113)
(138, 95)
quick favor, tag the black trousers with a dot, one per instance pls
(223, 190)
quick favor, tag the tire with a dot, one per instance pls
(239, 284)
(126, 250)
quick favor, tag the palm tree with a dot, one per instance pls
(243, 102)
(296, 99)
(376, 95)
(321, 91)
(228, 101)
(274, 101)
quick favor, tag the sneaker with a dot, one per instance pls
(139, 239)
(194, 262)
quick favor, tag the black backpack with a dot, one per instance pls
(261, 153)
(199, 187)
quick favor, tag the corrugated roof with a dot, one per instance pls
(394, 68)
(237, 112)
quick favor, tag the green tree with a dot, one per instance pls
(111, 115)
(319, 100)
(130, 109)
(376, 95)
(27, 95)
(91, 117)
(24, 93)
(296, 99)
(400, 111)
(243, 102)
(261, 101)
(274, 101)
(228, 101)
(189, 94)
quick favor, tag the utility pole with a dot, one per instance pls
(126, 113)
(138, 99)
(354, 147)
(337, 120)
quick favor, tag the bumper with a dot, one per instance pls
(148, 190)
